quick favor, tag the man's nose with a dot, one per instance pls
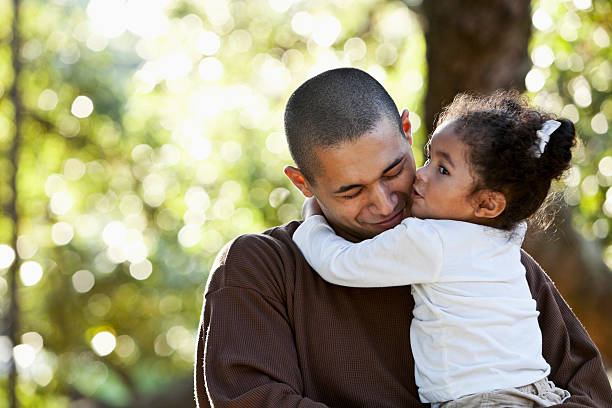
(383, 200)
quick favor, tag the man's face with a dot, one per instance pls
(364, 186)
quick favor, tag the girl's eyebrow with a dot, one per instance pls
(447, 158)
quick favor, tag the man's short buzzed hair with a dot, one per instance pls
(336, 106)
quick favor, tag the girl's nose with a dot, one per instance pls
(421, 174)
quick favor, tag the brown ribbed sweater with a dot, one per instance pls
(274, 334)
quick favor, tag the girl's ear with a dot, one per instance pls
(488, 203)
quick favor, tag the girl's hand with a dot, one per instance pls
(310, 208)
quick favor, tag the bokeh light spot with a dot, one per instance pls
(62, 233)
(605, 166)
(302, 23)
(543, 56)
(60, 203)
(542, 20)
(599, 124)
(278, 196)
(33, 339)
(189, 236)
(601, 228)
(583, 4)
(103, 343)
(7, 256)
(114, 233)
(82, 107)
(240, 41)
(231, 151)
(355, 48)
(141, 270)
(47, 100)
(535, 80)
(601, 37)
(326, 31)
(571, 112)
(108, 16)
(24, 355)
(200, 148)
(208, 43)
(83, 281)
(74, 169)
(412, 81)
(30, 273)
(196, 198)
(26, 247)
(125, 346)
(210, 69)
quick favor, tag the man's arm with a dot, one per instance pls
(246, 355)
(576, 364)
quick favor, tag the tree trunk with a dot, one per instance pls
(480, 46)
(11, 207)
(476, 46)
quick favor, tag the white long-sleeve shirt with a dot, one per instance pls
(475, 326)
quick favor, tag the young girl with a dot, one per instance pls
(474, 335)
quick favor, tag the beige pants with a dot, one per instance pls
(541, 393)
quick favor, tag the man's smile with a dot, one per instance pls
(391, 221)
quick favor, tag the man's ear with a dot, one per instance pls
(298, 180)
(488, 203)
(406, 125)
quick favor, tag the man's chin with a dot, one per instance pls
(384, 225)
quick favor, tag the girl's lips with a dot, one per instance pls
(415, 195)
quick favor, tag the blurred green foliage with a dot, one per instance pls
(152, 134)
(572, 77)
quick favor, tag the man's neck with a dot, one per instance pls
(341, 232)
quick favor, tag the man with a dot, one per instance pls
(274, 334)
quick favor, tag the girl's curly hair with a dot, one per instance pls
(501, 133)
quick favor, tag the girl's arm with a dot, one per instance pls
(409, 253)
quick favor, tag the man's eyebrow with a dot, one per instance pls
(392, 165)
(344, 189)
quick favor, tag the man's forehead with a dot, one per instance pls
(359, 162)
(385, 132)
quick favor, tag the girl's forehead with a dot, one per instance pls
(445, 134)
(444, 126)
(447, 143)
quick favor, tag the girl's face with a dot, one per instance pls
(444, 185)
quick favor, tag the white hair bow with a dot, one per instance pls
(544, 135)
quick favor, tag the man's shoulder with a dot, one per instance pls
(277, 240)
(536, 277)
(256, 261)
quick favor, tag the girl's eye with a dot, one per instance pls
(443, 170)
